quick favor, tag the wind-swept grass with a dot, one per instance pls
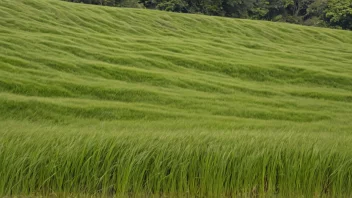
(41, 159)
(103, 101)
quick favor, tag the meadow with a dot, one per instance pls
(102, 101)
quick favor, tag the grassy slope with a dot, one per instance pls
(201, 105)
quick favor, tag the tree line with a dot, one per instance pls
(323, 13)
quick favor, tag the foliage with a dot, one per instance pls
(339, 13)
(336, 13)
(173, 5)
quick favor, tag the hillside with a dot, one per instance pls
(109, 100)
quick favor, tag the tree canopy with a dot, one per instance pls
(326, 13)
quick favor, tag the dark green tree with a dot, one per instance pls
(339, 13)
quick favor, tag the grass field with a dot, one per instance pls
(101, 101)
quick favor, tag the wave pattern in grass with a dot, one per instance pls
(109, 101)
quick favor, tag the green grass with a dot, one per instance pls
(101, 101)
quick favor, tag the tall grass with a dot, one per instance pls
(45, 160)
(101, 101)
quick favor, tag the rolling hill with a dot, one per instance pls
(110, 101)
